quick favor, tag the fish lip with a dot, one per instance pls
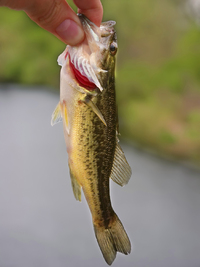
(83, 18)
(85, 21)
(91, 29)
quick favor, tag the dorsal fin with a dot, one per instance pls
(121, 171)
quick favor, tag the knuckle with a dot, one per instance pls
(50, 14)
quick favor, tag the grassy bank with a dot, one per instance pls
(158, 70)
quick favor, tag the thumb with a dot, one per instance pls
(57, 17)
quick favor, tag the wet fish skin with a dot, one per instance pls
(90, 129)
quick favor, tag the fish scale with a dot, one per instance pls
(90, 128)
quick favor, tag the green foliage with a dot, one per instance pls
(28, 53)
(158, 69)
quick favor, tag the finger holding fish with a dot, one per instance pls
(93, 10)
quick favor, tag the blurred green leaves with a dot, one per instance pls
(28, 53)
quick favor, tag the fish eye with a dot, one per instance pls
(113, 49)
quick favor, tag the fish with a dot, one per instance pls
(88, 110)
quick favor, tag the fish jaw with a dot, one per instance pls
(99, 40)
(94, 34)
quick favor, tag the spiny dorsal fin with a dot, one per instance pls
(75, 186)
(57, 115)
(121, 171)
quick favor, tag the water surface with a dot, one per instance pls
(41, 223)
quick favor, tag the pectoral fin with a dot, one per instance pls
(121, 171)
(89, 102)
(75, 186)
(65, 116)
(57, 115)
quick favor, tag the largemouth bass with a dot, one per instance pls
(88, 109)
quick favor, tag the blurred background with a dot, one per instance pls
(158, 69)
(158, 95)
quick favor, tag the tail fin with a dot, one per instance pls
(112, 239)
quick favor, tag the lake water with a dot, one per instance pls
(41, 223)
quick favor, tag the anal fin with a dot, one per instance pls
(75, 186)
(121, 171)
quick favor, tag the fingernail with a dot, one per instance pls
(70, 32)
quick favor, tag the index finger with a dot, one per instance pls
(92, 9)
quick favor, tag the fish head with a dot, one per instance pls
(93, 60)
(101, 42)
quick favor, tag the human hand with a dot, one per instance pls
(57, 17)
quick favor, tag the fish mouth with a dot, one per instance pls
(93, 33)
(81, 58)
